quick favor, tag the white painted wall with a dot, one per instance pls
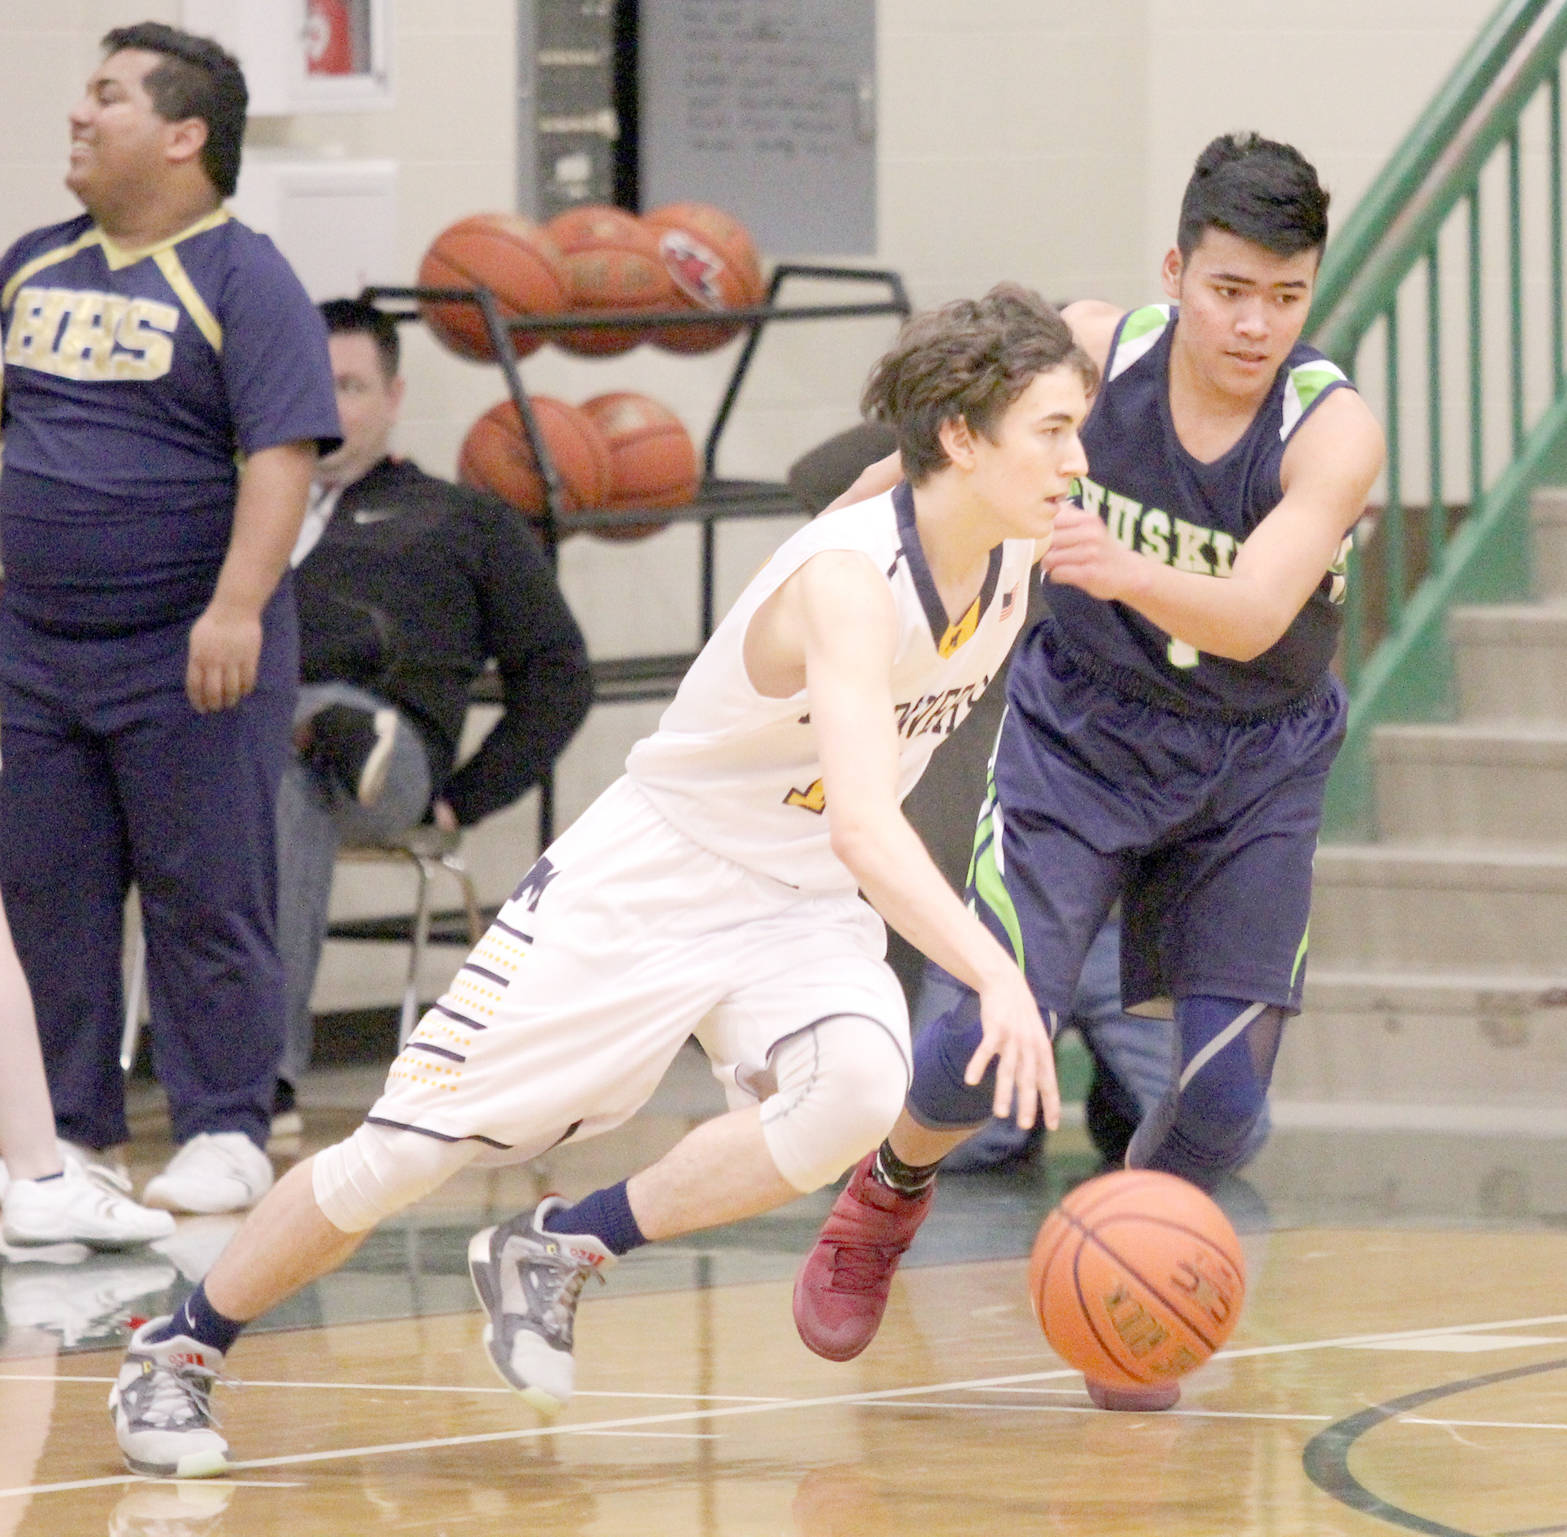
(1039, 140)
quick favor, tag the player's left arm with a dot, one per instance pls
(847, 630)
(225, 642)
(1326, 475)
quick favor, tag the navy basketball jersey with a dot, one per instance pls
(1158, 499)
(134, 381)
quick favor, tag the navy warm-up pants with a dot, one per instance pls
(109, 777)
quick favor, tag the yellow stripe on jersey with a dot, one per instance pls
(48, 259)
(185, 291)
(127, 256)
(961, 630)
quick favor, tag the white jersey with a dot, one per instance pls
(739, 773)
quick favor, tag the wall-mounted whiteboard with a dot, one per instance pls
(768, 109)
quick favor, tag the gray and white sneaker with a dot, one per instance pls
(528, 1282)
(216, 1171)
(86, 1203)
(161, 1405)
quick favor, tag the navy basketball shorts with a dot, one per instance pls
(1204, 829)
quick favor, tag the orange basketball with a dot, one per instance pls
(514, 259)
(653, 460)
(496, 456)
(1136, 1278)
(614, 264)
(714, 265)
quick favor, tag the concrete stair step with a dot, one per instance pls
(1548, 511)
(1472, 784)
(1440, 910)
(1489, 1041)
(1511, 661)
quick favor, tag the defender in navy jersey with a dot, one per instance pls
(1170, 726)
(166, 387)
(719, 889)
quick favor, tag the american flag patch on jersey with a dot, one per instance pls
(1007, 600)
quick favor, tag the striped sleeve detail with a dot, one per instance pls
(173, 270)
(48, 259)
(1304, 386)
(1136, 337)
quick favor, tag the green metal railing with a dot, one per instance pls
(1448, 369)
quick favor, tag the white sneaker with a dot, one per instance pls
(83, 1158)
(215, 1171)
(81, 1205)
(528, 1281)
(161, 1404)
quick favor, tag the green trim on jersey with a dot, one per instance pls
(1303, 386)
(1139, 334)
(1300, 956)
(1139, 322)
(985, 879)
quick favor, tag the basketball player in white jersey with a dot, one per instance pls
(716, 890)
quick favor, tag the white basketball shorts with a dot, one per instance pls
(623, 940)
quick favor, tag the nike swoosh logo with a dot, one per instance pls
(374, 514)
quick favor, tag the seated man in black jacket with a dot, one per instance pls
(407, 587)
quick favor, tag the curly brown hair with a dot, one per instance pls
(969, 359)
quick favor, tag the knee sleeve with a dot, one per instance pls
(938, 1097)
(380, 1170)
(1220, 1117)
(840, 1087)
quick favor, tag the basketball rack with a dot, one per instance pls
(654, 676)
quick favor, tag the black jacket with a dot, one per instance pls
(414, 585)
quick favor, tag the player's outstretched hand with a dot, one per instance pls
(1083, 554)
(1015, 1038)
(225, 649)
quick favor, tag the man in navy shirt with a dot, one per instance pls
(166, 391)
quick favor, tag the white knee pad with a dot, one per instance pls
(841, 1084)
(380, 1170)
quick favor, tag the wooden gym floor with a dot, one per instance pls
(1401, 1366)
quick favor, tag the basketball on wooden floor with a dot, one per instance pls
(615, 264)
(497, 457)
(714, 264)
(653, 460)
(511, 257)
(1136, 1278)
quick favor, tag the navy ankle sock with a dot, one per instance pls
(606, 1214)
(200, 1321)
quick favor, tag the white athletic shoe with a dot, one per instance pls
(215, 1171)
(110, 1167)
(161, 1405)
(528, 1281)
(85, 1204)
